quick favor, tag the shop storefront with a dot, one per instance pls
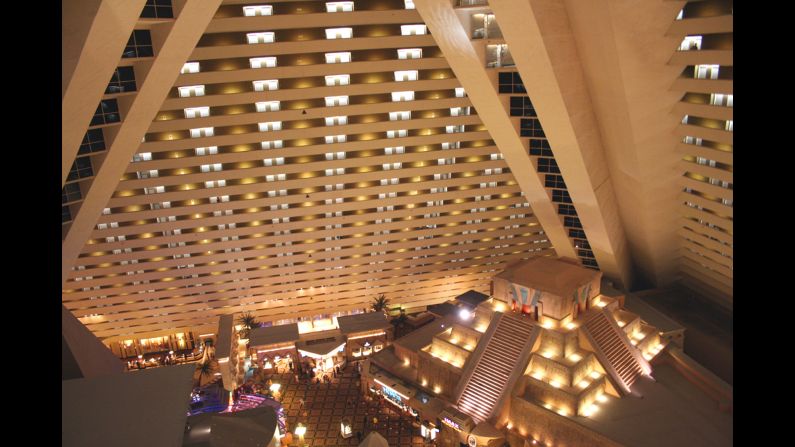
(274, 359)
(323, 355)
(360, 349)
(181, 342)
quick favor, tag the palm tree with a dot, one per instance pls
(380, 304)
(249, 322)
(400, 321)
(204, 369)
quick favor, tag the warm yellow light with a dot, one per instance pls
(621, 323)
(584, 384)
(554, 383)
(601, 304)
(275, 387)
(548, 354)
(595, 375)
(575, 357)
(563, 412)
(453, 340)
(601, 398)
(437, 389)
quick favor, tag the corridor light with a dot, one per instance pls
(464, 314)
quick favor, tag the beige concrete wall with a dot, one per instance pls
(438, 374)
(551, 341)
(549, 427)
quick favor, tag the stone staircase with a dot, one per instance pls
(495, 370)
(614, 350)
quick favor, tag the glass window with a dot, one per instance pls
(338, 58)
(262, 62)
(399, 116)
(261, 86)
(81, 168)
(123, 80)
(259, 10)
(690, 43)
(106, 113)
(406, 75)
(339, 6)
(332, 101)
(66, 215)
(342, 79)
(339, 33)
(202, 132)
(157, 9)
(413, 30)
(410, 53)
(93, 141)
(261, 37)
(190, 67)
(531, 127)
(139, 45)
(706, 71)
(191, 90)
(270, 126)
(70, 193)
(268, 106)
(197, 112)
(402, 96)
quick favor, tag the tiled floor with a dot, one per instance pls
(326, 404)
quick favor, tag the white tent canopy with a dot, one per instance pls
(374, 439)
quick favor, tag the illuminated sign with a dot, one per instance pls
(449, 422)
(386, 387)
(392, 395)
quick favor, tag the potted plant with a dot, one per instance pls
(249, 322)
(380, 304)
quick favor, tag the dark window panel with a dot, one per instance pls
(572, 222)
(123, 80)
(93, 141)
(66, 215)
(81, 168)
(139, 45)
(576, 234)
(107, 112)
(70, 193)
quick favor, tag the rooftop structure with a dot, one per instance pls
(509, 372)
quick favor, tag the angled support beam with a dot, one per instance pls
(625, 51)
(542, 43)
(94, 33)
(174, 42)
(469, 68)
